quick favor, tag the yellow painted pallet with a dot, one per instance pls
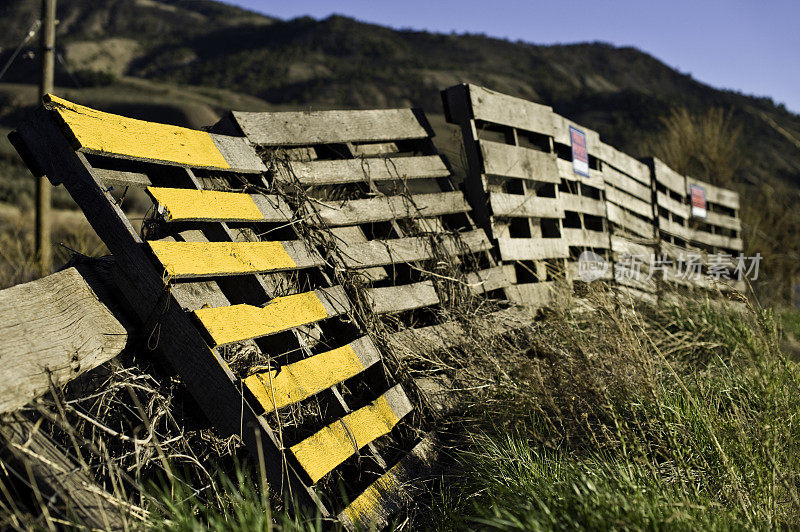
(220, 268)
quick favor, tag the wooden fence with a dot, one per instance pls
(289, 235)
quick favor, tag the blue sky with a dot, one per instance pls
(751, 46)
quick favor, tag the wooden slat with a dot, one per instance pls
(722, 220)
(630, 203)
(373, 508)
(561, 127)
(487, 280)
(576, 203)
(368, 169)
(628, 221)
(669, 178)
(720, 241)
(322, 452)
(491, 106)
(208, 259)
(374, 149)
(517, 205)
(297, 381)
(672, 205)
(235, 323)
(627, 184)
(517, 162)
(109, 134)
(567, 171)
(326, 127)
(52, 329)
(384, 208)
(625, 246)
(532, 248)
(625, 163)
(190, 205)
(410, 249)
(393, 299)
(119, 178)
(533, 295)
(585, 238)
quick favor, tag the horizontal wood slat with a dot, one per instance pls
(721, 196)
(410, 249)
(393, 299)
(566, 170)
(303, 128)
(585, 238)
(561, 127)
(208, 259)
(625, 163)
(367, 169)
(518, 162)
(110, 134)
(487, 280)
(517, 205)
(384, 208)
(119, 178)
(532, 248)
(533, 295)
(630, 203)
(576, 203)
(629, 222)
(674, 206)
(295, 382)
(627, 184)
(185, 205)
(322, 452)
(669, 178)
(497, 108)
(373, 508)
(235, 323)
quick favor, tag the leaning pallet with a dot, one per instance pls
(373, 181)
(240, 306)
(699, 230)
(522, 185)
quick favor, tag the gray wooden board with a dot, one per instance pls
(532, 248)
(518, 162)
(385, 208)
(52, 328)
(392, 299)
(340, 171)
(518, 205)
(304, 128)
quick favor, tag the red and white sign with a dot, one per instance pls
(580, 153)
(698, 198)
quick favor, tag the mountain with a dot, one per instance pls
(340, 62)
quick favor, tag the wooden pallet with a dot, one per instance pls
(685, 237)
(220, 278)
(541, 213)
(374, 182)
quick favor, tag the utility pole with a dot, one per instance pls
(44, 252)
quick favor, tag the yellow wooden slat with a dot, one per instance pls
(199, 259)
(110, 133)
(183, 204)
(300, 380)
(242, 322)
(321, 453)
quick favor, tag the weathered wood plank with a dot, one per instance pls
(519, 205)
(384, 208)
(567, 171)
(367, 169)
(373, 508)
(209, 259)
(627, 184)
(669, 178)
(297, 381)
(235, 323)
(585, 238)
(533, 295)
(532, 248)
(714, 194)
(191, 205)
(518, 162)
(491, 106)
(52, 328)
(119, 178)
(666, 202)
(410, 249)
(561, 127)
(723, 220)
(109, 134)
(630, 203)
(304, 128)
(625, 163)
(320, 453)
(628, 221)
(576, 203)
(484, 281)
(393, 299)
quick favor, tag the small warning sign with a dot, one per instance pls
(580, 153)
(698, 197)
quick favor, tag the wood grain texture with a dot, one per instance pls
(373, 508)
(582, 204)
(111, 134)
(532, 248)
(672, 205)
(384, 208)
(625, 163)
(517, 162)
(669, 178)
(585, 238)
(518, 205)
(320, 453)
(208, 259)
(629, 222)
(304, 128)
(617, 179)
(190, 205)
(498, 108)
(235, 323)
(630, 203)
(484, 281)
(367, 169)
(297, 381)
(52, 328)
(393, 299)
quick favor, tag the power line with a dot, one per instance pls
(28, 36)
